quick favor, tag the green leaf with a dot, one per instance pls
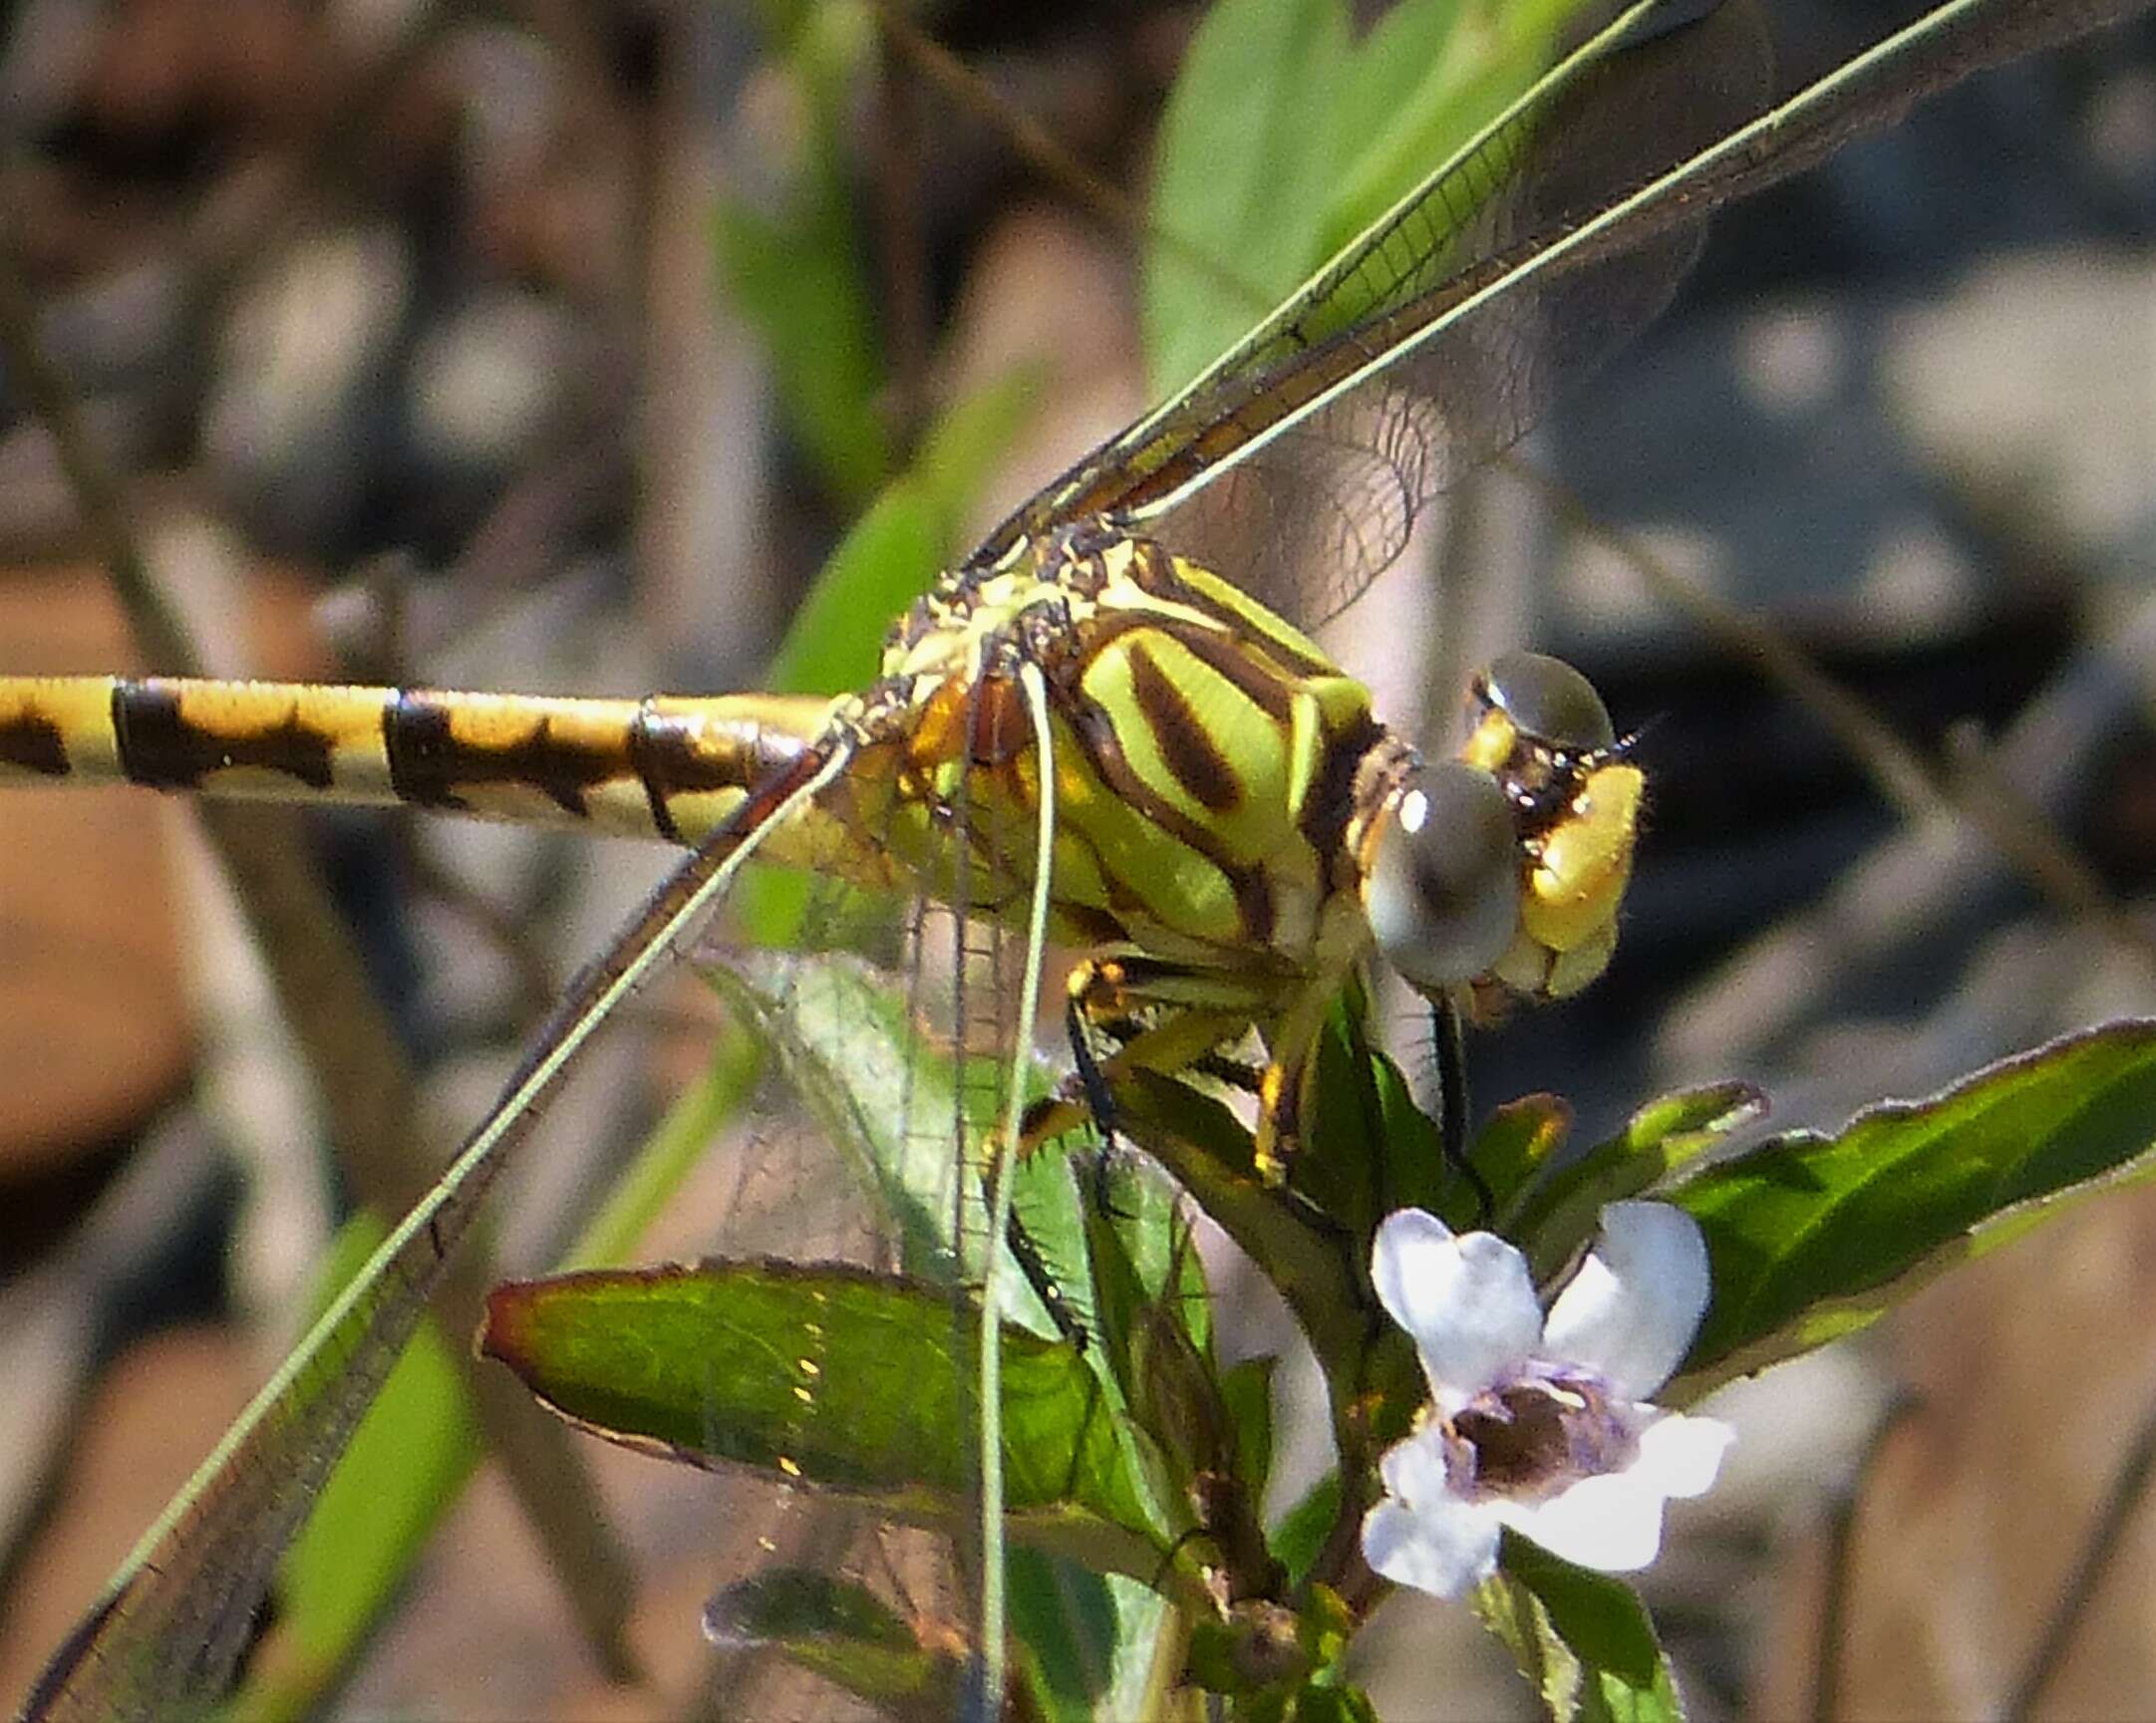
(1246, 1389)
(843, 1632)
(1429, 75)
(886, 560)
(1207, 1151)
(794, 270)
(1283, 140)
(891, 556)
(1583, 1639)
(1811, 1237)
(965, 442)
(407, 1460)
(894, 552)
(844, 1033)
(828, 1377)
(1300, 1536)
(1660, 1140)
(1093, 1645)
(1241, 187)
(870, 1077)
(1515, 1149)
(1314, 1702)
(1345, 1160)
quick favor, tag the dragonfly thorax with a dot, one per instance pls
(1203, 753)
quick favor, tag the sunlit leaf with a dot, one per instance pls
(1657, 1142)
(1208, 1151)
(828, 1377)
(1300, 1536)
(1285, 135)
(1583, 1639)
(850, 1050)
(1811, 1236)
(1515, 1149)
(905, 538)
(1240, 184)
(408, 1461)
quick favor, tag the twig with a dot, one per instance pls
(1038, 147)
(2128, 1488)
(1841, 1547)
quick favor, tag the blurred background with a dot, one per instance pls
(552, 347)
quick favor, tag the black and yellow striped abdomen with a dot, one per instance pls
(661, 768)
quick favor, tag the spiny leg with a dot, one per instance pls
(1046, 1284)
(1093, 1083)
(1449, 1037)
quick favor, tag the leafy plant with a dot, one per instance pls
(1144, 1457)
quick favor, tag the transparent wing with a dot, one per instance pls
(167, 1635)
(1299, 461)
(1439, 335)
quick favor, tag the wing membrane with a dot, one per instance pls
(1439, 336)
(1263, 466)
(165, 1639)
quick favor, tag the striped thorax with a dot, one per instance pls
(1227, 806)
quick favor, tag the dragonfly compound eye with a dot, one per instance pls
(1549, 701)
(1443, 893)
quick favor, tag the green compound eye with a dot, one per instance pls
(1444, 889)
(1546, 699)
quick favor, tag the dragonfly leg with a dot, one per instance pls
(1099, 1098)
(1046, 1286)
(1283, 1086)
(1450, 1038)
(1093, 1085)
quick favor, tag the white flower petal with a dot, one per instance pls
(1679, 1456)
(1610, 1523)
(1414, 1470)
(1634, 1306)
(1465, 1299)
(1442, 1548)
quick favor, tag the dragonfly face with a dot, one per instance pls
(1503, 870)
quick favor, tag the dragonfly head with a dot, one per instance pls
(1504, 867)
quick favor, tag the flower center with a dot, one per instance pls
(1531, 1437)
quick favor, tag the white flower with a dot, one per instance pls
(1540, 1424)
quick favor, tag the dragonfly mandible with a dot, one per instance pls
(1235, 833)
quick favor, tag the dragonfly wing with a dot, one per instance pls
(1322, 506)
(171, 1627)
(1301, 459)
(1441, 332)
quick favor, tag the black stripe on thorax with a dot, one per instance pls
(1330, 806)
(1206, 774)
(1095, 733)
(1229, 658)
(1155, 570)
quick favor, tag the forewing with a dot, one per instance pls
(1440, 334)
(1299, 461)
(164, 1640)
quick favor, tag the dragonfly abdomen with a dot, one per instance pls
(668, 767)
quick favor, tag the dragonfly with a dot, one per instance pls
(1106, 728)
